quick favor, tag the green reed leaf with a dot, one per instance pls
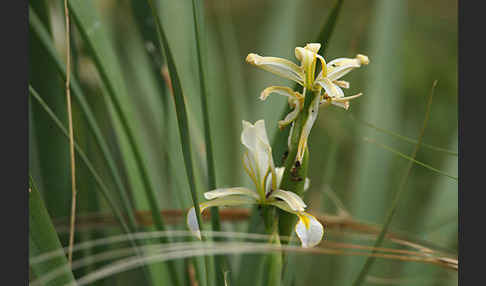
(40, 32)
(52, 160)
(197, 12)
(181, 113)
(102, 187)
(113, 205)
(402, 137)
(388, 148)
(396, 199)
(94, 36)
(43, 238)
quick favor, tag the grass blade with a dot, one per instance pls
(40, 32)
(181, 113)
(43, 238)
(374, 172)
(388, 148)
(393, 208)
(102, 187)
(197, 12)
(53, 156)
(104, 190)
(404, 138)
(71, 133)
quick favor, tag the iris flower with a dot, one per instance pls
(328, 79)
(259, 165)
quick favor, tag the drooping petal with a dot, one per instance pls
(291, 116)
(278, 66)
(342, 102)
(192, 223)
(293, 200)
(224, 192)
(290, 135)
(332, 90)
(191, 218)
(282, 90)
(313, 111)
(309, 230)
(344, 105)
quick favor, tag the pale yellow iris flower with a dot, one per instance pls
(259, 165)
(328, 79)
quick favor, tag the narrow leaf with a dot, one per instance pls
(43, 238)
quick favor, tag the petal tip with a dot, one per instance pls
(364, 60)
(314, 47)
(309, 230)
(253, 59)
(192, 222)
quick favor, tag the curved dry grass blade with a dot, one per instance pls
(391, 212)
(43, 238)
(150, 236)
(212, 248)
(261, 244)
(343, 224)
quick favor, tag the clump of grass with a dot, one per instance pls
(141, 188)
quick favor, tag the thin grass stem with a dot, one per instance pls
(411, 159)
(393, 208)
(71, 133)
(404, 138)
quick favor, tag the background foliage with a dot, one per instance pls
(120, 83)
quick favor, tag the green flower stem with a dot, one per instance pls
(294, 176)
(274, 259)
(293, 180)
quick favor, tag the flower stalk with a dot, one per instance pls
(283, 187)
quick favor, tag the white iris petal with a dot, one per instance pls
(278, 66)
(309, 230)
(313, 111)
(236, 200)
(259, 158)
(292, 199)
(224, 192)
(331, 89)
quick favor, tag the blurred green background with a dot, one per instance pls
(410, 44)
